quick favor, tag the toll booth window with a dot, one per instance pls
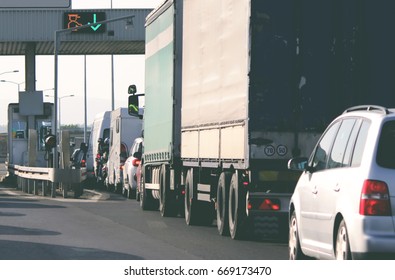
(44, 128)
(19, 129)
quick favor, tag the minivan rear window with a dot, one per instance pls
(360, 144)
(386, 148)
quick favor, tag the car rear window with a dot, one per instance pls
(360, 144)
(386, 149)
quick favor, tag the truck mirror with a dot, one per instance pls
(132, 89)
(133, 105)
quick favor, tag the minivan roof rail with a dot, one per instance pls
(367, 108)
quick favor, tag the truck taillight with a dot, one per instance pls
(83, 163)
(374, 199)
(265, 204)
(135, 162)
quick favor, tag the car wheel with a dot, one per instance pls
(125, 190)
(295, 252)
(342, 243)
(137, 196)
(131, 193)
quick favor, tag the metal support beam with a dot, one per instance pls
(30, 67)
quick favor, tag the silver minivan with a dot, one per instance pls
(343, 206)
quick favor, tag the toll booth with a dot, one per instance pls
(29, 122)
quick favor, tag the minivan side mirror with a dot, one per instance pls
(298, 164)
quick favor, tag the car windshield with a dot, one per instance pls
(386, 149)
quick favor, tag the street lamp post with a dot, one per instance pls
(15, 83)
(6, 72)
(60, 99)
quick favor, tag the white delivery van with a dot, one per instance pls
(123, 130)
(100, 129)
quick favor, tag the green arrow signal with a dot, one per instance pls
(95, 28)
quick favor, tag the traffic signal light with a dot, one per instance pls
(50, 142)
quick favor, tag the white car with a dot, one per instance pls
(343, 205)
(130, 168)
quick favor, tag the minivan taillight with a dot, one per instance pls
(135, 162)
(375, 199)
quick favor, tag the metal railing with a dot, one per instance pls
(45, 181)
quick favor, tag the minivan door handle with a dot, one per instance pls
(315, 190)
(336, 188)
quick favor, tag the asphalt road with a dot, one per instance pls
(107, 226)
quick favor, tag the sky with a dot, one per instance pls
(128, 69)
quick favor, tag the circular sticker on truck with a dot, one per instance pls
(282, 150)
(269, 150)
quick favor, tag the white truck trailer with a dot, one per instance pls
(238, 121)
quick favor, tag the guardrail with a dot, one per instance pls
(43, 180)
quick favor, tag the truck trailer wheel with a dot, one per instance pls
(190, 201)
(237, 208)
(167, 205)
(222, 206)
(147, 202)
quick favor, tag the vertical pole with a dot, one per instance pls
(30, 62)
(85, 101)
(55, 124)
(112, 80)
(35, 187)
(112, 84)
(60, 114)
(55, 155)
(30, 77)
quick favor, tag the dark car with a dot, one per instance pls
(78, 158)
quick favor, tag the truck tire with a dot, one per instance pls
(237, 208)
(223, 203)
(147, 202)
(190, 200)
(143, 198)
(166, 198)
